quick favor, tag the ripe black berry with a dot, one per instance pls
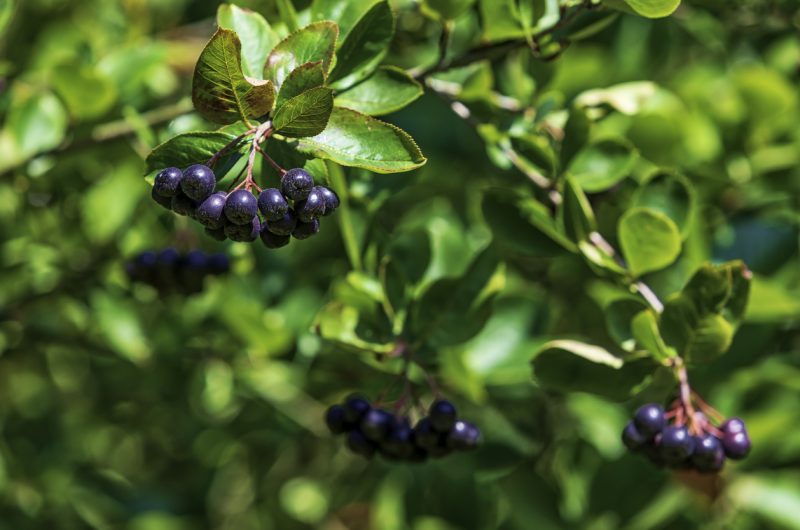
(209, 213)
(296, 184)
(733, 425)
(708, 454)
(241, 207)
(166, 202)
(675, 444)
(632, 438)
(305, 230)
(355, 407)
(283, 226)
(737, 445)
(216, 233)
(464, 436)
(218, 263)
(443, 415)
(359, 444)
(243, 233)
(334, 419)
(272, 204)
(271, 240)
(425, 436)
(183, 205)
(167, 182)
(375, 424)
(649, 420)
(399, 441)
(331, 199)
(312, 207)
(198, 182)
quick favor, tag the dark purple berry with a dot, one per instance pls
(425, 436)
(737, 445)
(195, 259)
(311, 207)
(649, 420)
(359, 444)
(355, 407)
(707, 453)
(243, 233)
(733, 426)
(146, 259)
(183, 205)
(334, 419)
(218, 263)
(375, 424)
(284, 226)
(399, 441)
(443, 415)
(166, 202)
(271, 240)
(167, 182)
(331, 199)
(217, 233)
(272, 204)
(632, 438)
(209, 213)
(305, 230)
(198, 182)
(676, 444)
(241, 207)
(439, 450)
(464, 436)
(296, 184)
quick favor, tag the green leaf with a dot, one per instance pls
(576, 212)
(411, 253)
(345, 14)
(619, 315)
(87, 93)
(220, 91)
(306, 114)
(500, 20)
(576, 134)
(356, 140)
(603, 164)
(288, 14)
(700, 320)
(575, 366)
(387, 90)
(315, 42)
(522, 224)
(190, 148)
(6, 12)
(364, 47)
(671, 194)
(304, 77)
(256, 35)
(448, 9)
(647, 333)
(649, 239)
(627, 98)
(654, 8)
(36, 122)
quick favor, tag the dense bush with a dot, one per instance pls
(548, 212)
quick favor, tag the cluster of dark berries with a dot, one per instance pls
(700, 446)
(170, 271)
(373, 430)
(293, 210)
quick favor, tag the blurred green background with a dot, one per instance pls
(121, 409)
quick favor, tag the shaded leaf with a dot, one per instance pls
(190, 148)
(576, 212)
(354, 139)
(387, 90)
(315, 42)
(345, 14)
(576, 134)
(671, 194)
(220, 91)
(601, 165)
(364, 47)
(306, 114)
(646, 332)
(255, 34)
(304, 77)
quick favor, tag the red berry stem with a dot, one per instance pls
(214, 159)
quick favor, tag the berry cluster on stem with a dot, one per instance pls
(689, 434)
(247, 212)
